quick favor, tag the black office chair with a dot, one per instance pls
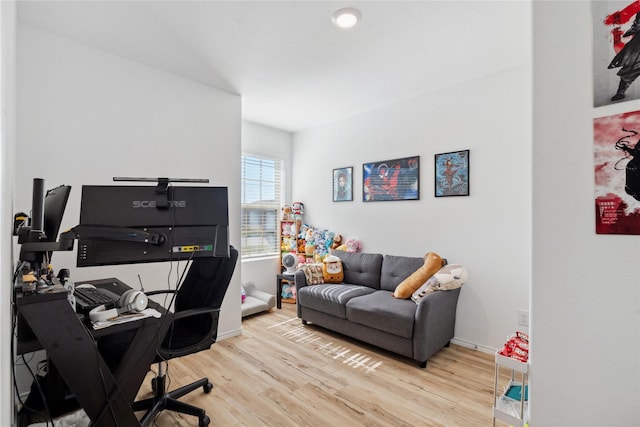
(194, 328)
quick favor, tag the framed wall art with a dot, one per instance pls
(616, 153)
(396, 179)
(343, 184)
(615, 41)
(452, 174)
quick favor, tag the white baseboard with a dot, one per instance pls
(457, 341)
(474, 346)
(229, 334)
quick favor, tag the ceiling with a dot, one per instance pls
(292, 67)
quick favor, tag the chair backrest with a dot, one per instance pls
(206, 282)
(204, 286)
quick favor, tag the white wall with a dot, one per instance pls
(487, 232)
(585, 296)
(85, 116)
(275, 143)
(7, 145)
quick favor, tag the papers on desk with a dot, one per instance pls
(127, 317)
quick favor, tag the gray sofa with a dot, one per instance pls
(363, 306)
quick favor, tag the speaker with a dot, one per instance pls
(130, 301)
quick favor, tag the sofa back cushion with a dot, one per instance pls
(361, 268)
(397, 268)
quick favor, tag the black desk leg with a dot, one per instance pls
(279, 291)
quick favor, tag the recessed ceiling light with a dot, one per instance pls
(346, 18)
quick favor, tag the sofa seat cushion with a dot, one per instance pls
(331, 299)
(381, 311)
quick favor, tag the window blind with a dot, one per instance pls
(262, 195)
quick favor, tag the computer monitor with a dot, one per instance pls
(41, 236)
(126, 224)
(55, 203)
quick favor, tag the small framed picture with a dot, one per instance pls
(452, 174)
(343, 184)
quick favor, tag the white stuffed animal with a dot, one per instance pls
(451, 276)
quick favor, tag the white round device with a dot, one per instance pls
(290, 261)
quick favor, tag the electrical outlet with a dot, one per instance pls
(523, 317)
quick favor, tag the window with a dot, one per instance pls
(261, 197)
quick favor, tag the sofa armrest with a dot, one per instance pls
(300, 281)
(434, 323)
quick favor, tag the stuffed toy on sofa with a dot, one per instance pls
(432, 263)
(332, 270)
(451, 276)
(353, 245)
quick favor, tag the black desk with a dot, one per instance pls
(105, 396)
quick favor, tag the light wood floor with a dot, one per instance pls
(280, 373)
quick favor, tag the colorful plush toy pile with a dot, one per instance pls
(314, 244)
